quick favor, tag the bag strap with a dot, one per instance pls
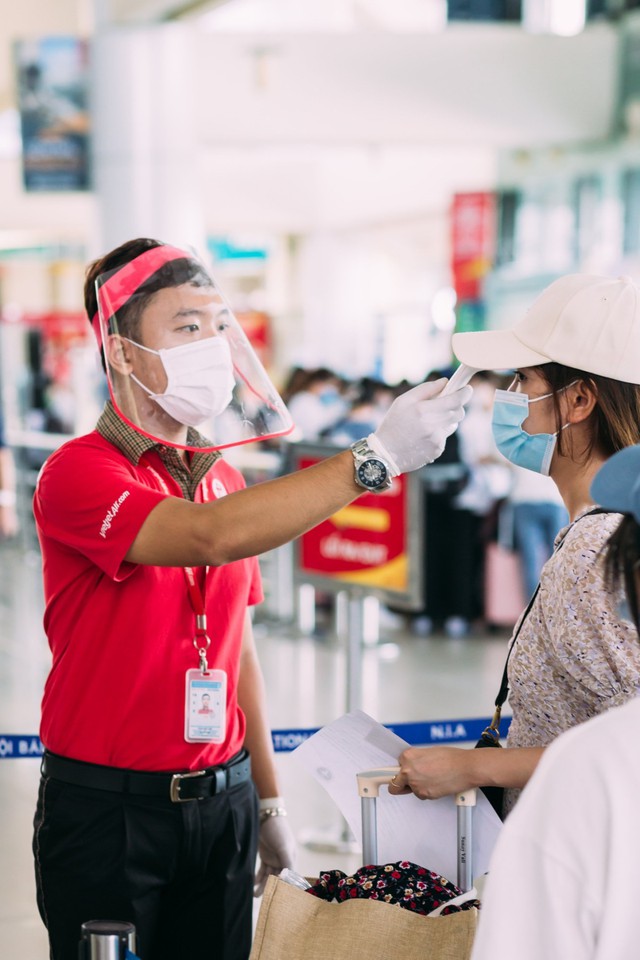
(494, 727)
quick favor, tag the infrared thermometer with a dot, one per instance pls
(459, 379)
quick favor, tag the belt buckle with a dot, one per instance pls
(174, 786)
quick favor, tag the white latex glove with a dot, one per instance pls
(417, 424)
(277, 850)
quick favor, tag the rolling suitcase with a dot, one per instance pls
(504, 598)
(296, 926)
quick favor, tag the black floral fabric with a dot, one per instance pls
(403, 883)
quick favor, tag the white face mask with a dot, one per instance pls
(200, 380)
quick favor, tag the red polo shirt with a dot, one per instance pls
(121, 634)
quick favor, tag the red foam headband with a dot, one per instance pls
(114, 293)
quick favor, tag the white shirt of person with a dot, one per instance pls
(563, 878)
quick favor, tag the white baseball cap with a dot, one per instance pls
(583, 321)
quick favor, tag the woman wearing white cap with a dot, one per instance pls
(574, 401)
(562, 878)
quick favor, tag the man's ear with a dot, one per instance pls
(117, 354)
(581, 400)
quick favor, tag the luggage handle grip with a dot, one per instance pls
(370, 781)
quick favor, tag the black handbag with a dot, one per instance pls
(490, 736)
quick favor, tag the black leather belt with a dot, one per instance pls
(177, 787)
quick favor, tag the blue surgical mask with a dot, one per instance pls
(329, 396)
(533, 451)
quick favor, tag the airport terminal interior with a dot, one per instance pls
(365, 178)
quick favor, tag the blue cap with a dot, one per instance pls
(616, 485)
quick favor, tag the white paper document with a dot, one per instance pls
(422, 831)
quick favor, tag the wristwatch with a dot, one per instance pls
(371, 471)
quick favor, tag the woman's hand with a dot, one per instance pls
(432, 772)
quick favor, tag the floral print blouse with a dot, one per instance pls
(574, 657)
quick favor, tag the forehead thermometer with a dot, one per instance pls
(459, 379)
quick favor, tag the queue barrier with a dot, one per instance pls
(107, 940)
(14, 746)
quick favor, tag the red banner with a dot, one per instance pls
(365, 543)
(258, 328)
(473, 239)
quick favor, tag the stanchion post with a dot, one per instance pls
(106, 940)
(370, 620)
(283, 588)
(306, 612)
(354, 652)
(349, 620)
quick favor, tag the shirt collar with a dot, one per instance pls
(133, 444)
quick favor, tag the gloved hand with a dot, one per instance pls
(277, 850)
(417, 424)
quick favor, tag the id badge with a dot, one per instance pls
(205, 707)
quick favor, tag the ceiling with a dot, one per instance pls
(341, 129)
(473, 84)
(347, 71)
(345, 112)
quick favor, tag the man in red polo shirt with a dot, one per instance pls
(149, 811)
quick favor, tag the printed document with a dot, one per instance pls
(422, 831)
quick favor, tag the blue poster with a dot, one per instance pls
(52, 84)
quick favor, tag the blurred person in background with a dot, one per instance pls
(460, 495)
(441, 541)
(475, 506)
(370, 400)
(147, 812)
(574, 402)
(538, 513)
(562, 877)
(317, 406)
(295, 382)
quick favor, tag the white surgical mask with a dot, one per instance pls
(200, 380)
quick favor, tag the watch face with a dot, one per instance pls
(372, 473)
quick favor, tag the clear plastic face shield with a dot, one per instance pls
(176, 358)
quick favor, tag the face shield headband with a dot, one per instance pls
(119, 288)
(197, 378)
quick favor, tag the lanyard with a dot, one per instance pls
(201, 640)
(503, 693)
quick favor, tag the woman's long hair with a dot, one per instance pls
(615, 421)
(622, 562)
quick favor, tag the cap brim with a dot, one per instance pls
(494, 350)
(616, 486)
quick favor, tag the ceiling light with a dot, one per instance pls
(563, 17)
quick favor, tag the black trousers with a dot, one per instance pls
(181, 872)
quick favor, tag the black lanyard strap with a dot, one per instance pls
(503, 692)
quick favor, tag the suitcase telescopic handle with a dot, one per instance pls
(369, 783)
(465, 802)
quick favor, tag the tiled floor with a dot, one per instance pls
(405, 678)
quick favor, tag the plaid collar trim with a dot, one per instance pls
(134, 445)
